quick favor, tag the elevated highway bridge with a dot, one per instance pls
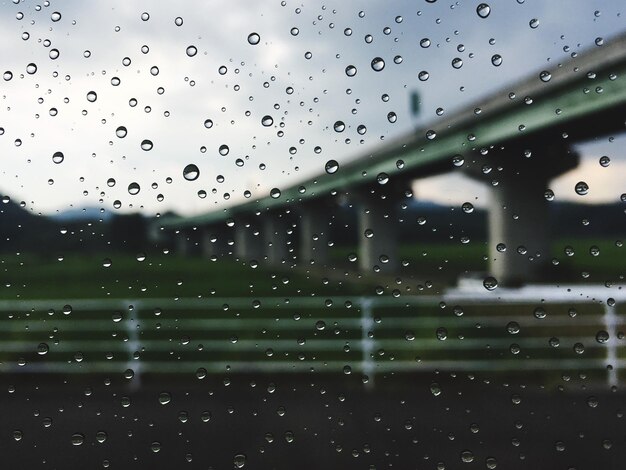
(515, 141)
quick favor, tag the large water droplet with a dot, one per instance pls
(496, 60)
(275, 193)
(331, 166)
(457, 63)
(92, 96)
(223, 150)
(208, 123)
(55, 16)
(8, 75)
(78, 439)
(339, 126)
(378, 64)
(121, 132)
(164, 398)
(254, 39)
(191, 172)
(490, 283)
(581, 188)
(58, 157)
(267, 121)
(178, 21)
(483, 10)
(239, 460)
(351, 70)
(191, 51)
(545, 76)
(146, 145)
(134, 188)
(31, 68)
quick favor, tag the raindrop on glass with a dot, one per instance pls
(146, 145)
(331, 166)
(191, 172)
(483, 10)
(58, 157)
(254, 39)
(377, 64)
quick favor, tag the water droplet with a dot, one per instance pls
(483, 10)
(146, 145)
(382, 178)
(155, 446)
(54, 54)
(467, 207)
(392, 117)
(457, 63)
(92, 96)
(254, 39)
(55, 16)
(8, 75)
(223, 150)
(581, 188)
(191, 172)
(239, 461)
(267, 120)
(423, 76)
(78, 439)
(339, 126)
(602, 337)
(164, 398)
(545, 76)
(134, 188)
(145, 16)
(42, 349)
(533, 23)
(351, 70)
(121, 132)
(178, 21)
(275, 193)
(540, 313)
(377, 64)
(467, 456)
(331, 166)
(294, 31)
(101, 436)
(496, 60)
(107, 263)
(605, 161)
(222, 70)
(58, 157)
(490, 283)
(191, 51)
(154, 70)
(425, 43)
(201, 373)
(31, 69)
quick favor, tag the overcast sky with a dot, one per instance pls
(303, 46)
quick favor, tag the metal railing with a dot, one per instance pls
(460, 331)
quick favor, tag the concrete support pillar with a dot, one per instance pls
(378, 235)
(181, 243)
(378, 206)
(314, 231)
(519, 221)
(248, 241)
(519, 230)
(276, 229)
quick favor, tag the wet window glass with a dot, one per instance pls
(336, 234)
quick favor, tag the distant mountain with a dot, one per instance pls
(86, 213)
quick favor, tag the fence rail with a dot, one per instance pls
(461, 330)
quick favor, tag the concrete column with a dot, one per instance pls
(519, 230)
(314, 233)
(519, 221)
(248, 241)
(181, 243)
(276, 230)
(377, 235)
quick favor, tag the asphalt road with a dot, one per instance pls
(309, 422)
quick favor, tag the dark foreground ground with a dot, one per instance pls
(310, 422)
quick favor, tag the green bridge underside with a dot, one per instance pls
(584, 98)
